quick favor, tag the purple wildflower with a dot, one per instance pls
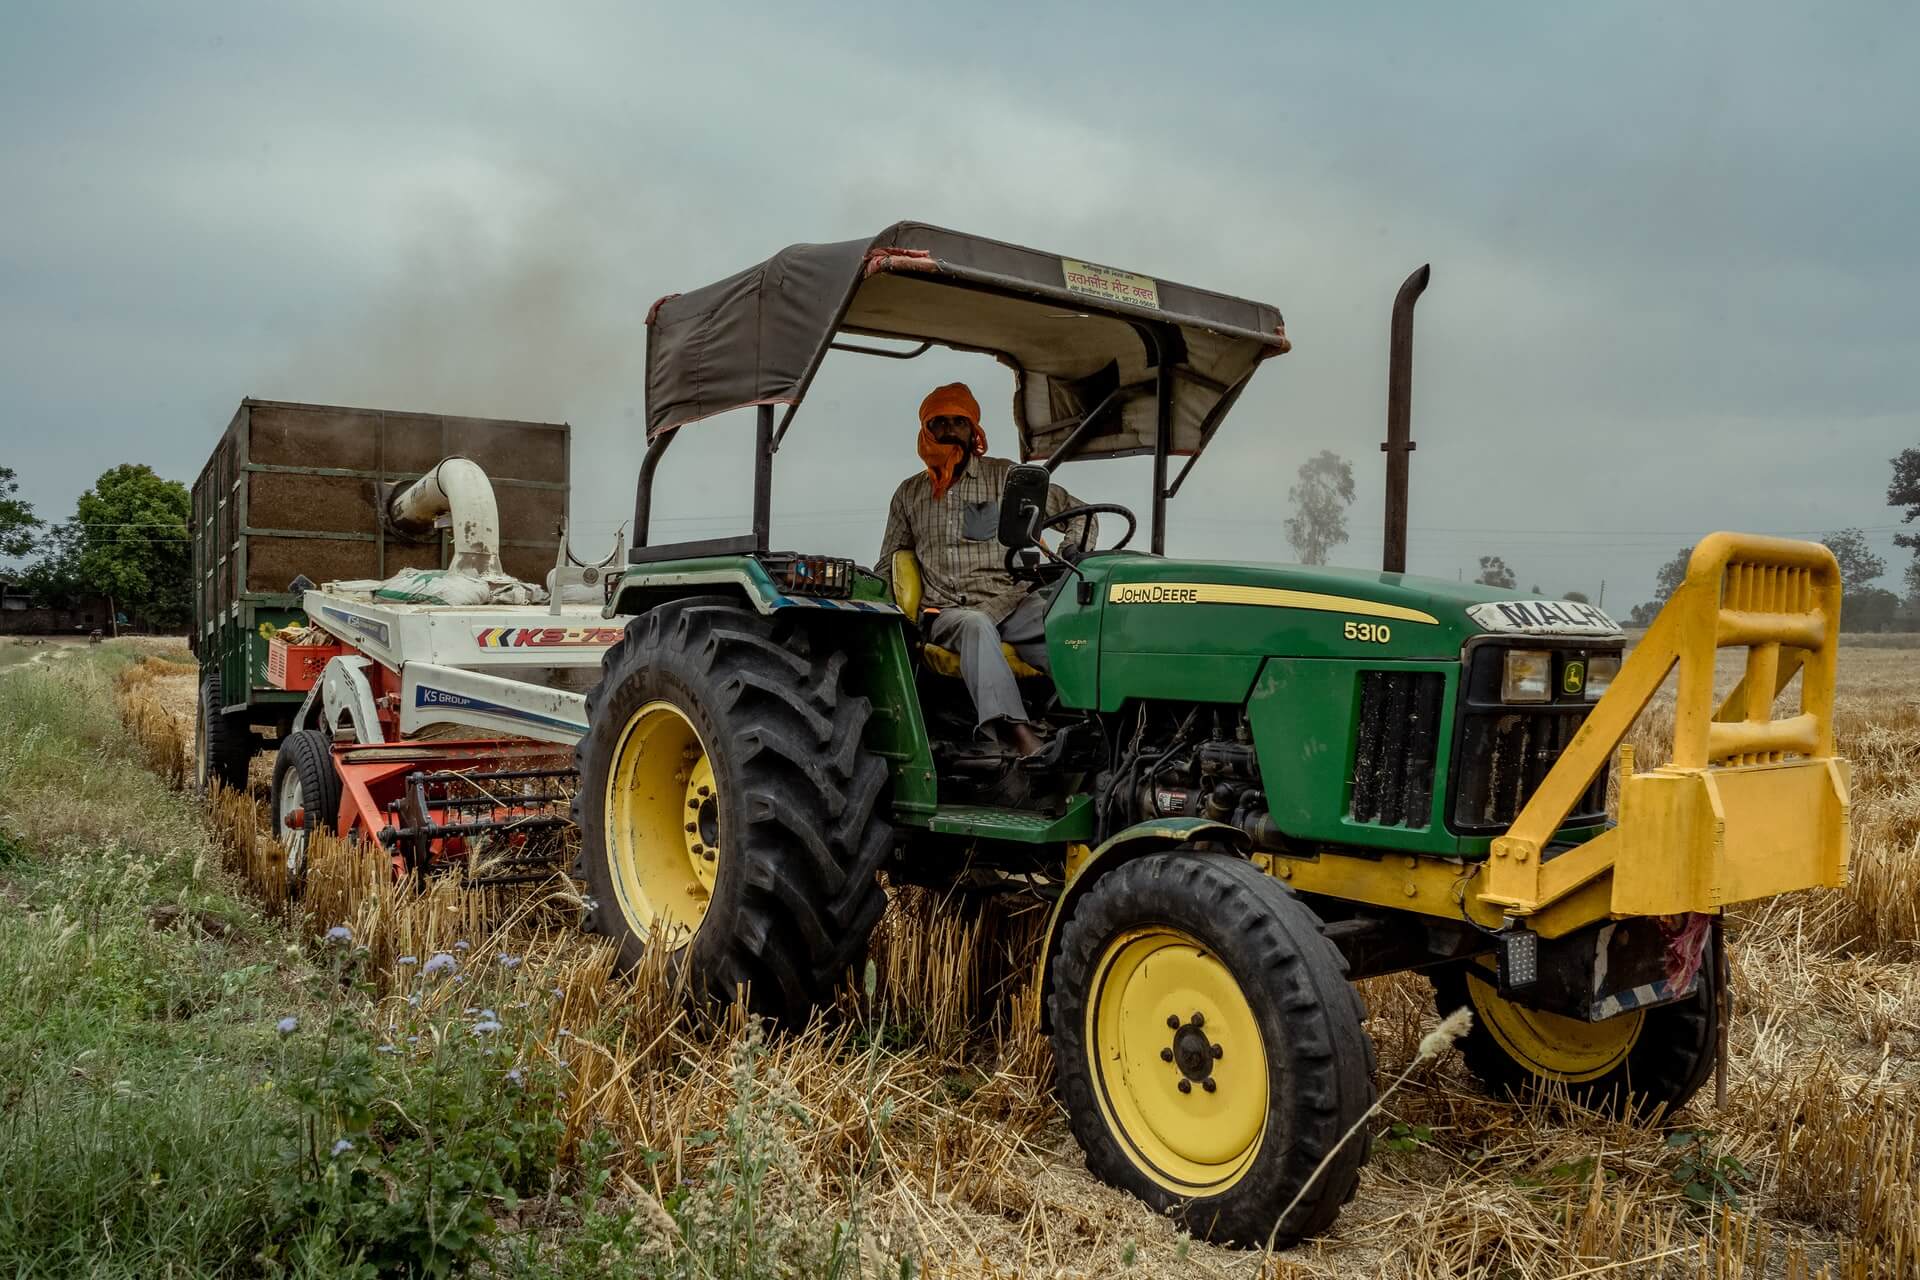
(339, 933)
(341, 1148)
(287, 1025)
(485, 1028)
(437, 963)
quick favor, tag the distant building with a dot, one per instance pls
(22, 614)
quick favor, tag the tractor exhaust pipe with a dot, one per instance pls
(1398, 445)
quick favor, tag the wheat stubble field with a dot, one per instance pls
(605, 1132)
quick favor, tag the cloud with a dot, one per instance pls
(1669, 247)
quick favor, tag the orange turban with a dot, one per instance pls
(943, 460)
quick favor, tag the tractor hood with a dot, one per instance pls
(1309, 607)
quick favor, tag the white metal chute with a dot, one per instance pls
(459, 490)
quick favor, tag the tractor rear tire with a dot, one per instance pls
(1157, 943)
(1631, 1064)
(304, 778)
(726, 795)
(223, 745)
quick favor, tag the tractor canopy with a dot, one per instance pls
(1076, 336)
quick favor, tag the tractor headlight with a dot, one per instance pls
(1527, 676)
(1601, 669)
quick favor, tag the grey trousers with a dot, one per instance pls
(972, 634)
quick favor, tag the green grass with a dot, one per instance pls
(135, 1135)
(155, 1121)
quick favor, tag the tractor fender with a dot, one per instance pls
(642, 589)
(1156, 835)
(873, 632)
(638, 592)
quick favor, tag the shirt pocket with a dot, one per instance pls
(980, 521)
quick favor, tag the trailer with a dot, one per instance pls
(301, 491)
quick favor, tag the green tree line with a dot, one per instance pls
(1867, 606)
(127, 540)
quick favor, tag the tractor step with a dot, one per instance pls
(1021, 826)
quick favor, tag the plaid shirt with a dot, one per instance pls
(955, 538)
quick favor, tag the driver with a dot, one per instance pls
(949, 516)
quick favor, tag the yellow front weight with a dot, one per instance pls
(1178, 1064)
(663, 834)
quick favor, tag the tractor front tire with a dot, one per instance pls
(223, 745)
(306, 797)
(727, 800)
(1631, 1064)
(1210, 1049)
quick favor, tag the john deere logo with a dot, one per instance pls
(1573, 677)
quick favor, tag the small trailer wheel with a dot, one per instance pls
(306, 797)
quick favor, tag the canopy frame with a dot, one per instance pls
(739, 343)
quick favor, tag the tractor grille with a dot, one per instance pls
(1502, 751)
(1393, 752)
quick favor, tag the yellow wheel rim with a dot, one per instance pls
(1550, 1046)
(1165, 1012)
(663, 823)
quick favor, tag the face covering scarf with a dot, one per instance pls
(945, 461)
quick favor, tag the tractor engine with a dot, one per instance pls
(1216, 777)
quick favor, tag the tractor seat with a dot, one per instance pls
(944, 662)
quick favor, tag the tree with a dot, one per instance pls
(55, 575)
(17, 521)
(1578, 597)
(1320, 502)
(1904, 491)
(1859, 567)
(1869, 609)
(1494, 573)
(1671, 575)
(133, 544)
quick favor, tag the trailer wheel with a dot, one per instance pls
(223, 745)
(1210, 1048)
(1632, 1064)
(727, 806)
(306, 796)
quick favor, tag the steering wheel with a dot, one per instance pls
(1083, 513)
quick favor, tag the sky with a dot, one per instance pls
(1672, 246)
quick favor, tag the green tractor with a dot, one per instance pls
(1266, 781)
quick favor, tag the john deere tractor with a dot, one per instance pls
(1264, 780)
